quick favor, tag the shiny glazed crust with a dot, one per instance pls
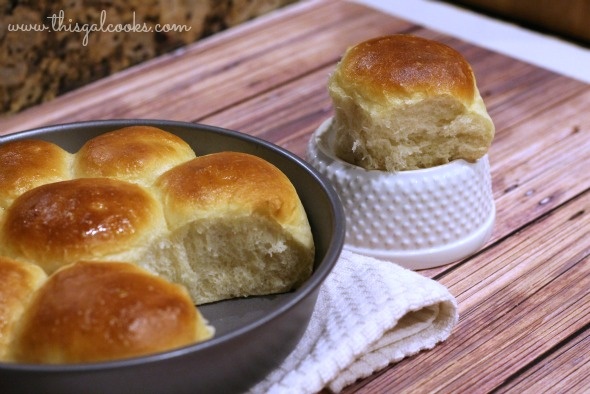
(96, 311)
(60, 223)
(405, 65)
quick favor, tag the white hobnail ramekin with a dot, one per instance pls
(418, 219)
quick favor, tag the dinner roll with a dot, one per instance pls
(403, 102)
(25, 164)
(18, 282)
(237, 228)
(105, 252)
(136, 154)
(81, 219)
(99, 311)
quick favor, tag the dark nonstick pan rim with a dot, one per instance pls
(322, 269)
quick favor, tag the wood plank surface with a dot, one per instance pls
(563, 370)
(524, 300)
(219, 72)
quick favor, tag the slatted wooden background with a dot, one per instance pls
(524, 300)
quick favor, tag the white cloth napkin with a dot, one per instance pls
(369, 314)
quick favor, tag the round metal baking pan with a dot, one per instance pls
(253, 335)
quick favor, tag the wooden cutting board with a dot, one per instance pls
(524, 300)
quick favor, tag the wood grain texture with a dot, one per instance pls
(517, 301)
(565, 370)
(524, 299)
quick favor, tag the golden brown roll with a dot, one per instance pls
(25, 164)
(131, 233)
(81, 219)
(403, 102)
(136, 154)
(98, 311)
(18, 282)
(237, 228)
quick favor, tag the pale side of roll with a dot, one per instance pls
(404, 102)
